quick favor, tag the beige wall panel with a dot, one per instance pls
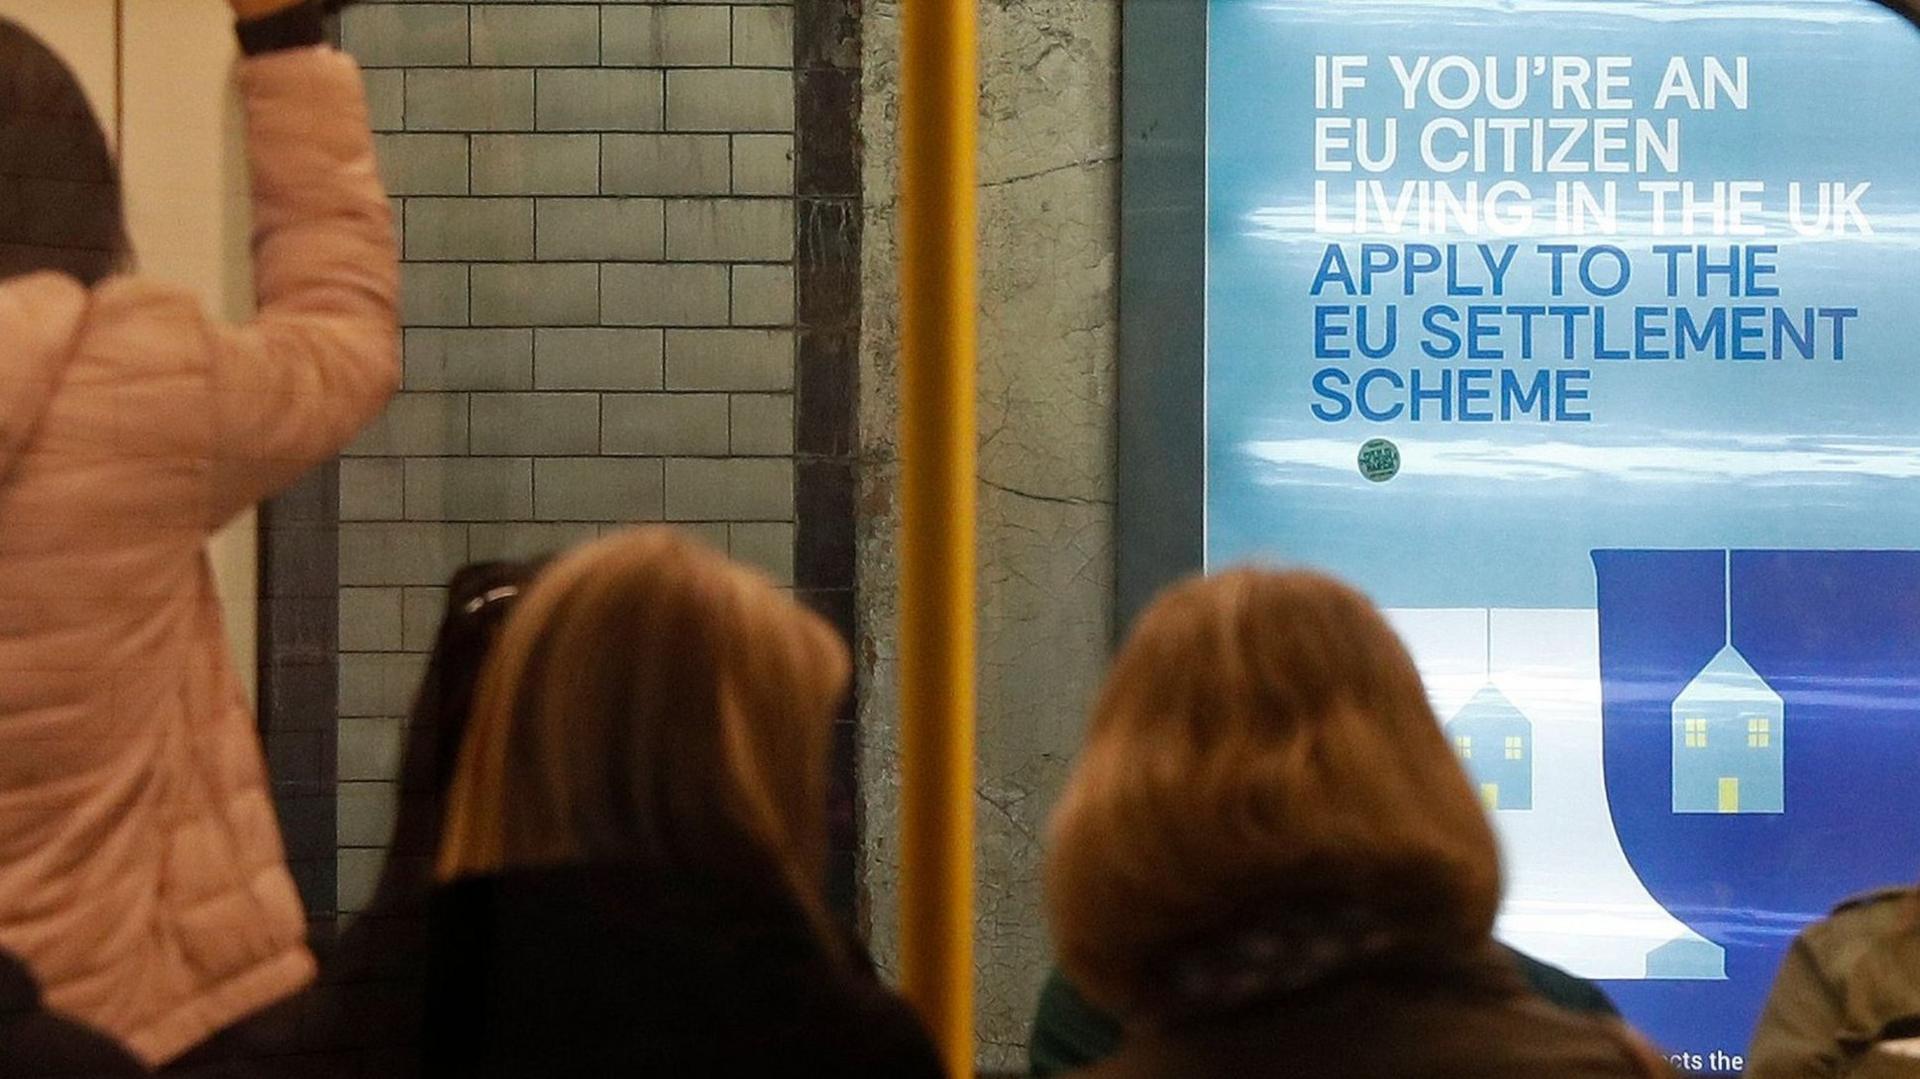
(184, 165)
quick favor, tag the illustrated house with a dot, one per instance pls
(1729, 741)
(1495, 743)
(1688, 959)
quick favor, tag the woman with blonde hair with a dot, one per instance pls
(636, 837)
(1268, 861)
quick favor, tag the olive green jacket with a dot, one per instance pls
(1848, 990)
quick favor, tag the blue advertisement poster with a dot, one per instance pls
(1579, 334)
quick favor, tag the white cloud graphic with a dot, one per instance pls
(1699, 459)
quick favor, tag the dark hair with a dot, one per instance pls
(60, 206)
(377, 966)
(478, 599)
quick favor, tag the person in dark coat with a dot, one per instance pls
(1846, 1001)
(38, 1044)
(373, 983)
(1069, 1033)
(635, 843)
(1268, 861)
(615, 970)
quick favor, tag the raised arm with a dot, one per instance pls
(321, 358)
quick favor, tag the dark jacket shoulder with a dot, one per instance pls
(1878, 899)
(1069, 1032)
(1871, 939)
(605, 970)
(1456, 1018)
(1850, 982)
(1557, 986)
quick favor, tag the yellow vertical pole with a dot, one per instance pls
(938, 104)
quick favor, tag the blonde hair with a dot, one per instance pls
(1263, 745)
(650, 702)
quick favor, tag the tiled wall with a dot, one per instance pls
(597, 209)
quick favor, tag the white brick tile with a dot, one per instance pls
(536, 164)
(469, 100)
(525, 294)
(443, 230)
(598, 489)
(665, 424)
(663, 294)
(469, 488)
(519, 540)
(423, 164)
(729, 100)
(606, 230)
(763, 164)
(366, 813)
(433, 295)
(549, 35)
(359, 872)
(666, 165)
(386, 99)
(370, 489)
(600, 358)
(421, 611)
(763, 296)
(369, 749)
(600, 100)
(763, 37)
(536, 424)
(400, 554)
(440, 359)
(370, 620)
(378, 683)
(730, 230)
(416, 424)
(767, 546)
(730, 489)
(762, 425)
(743, 360)
(651, 35)
(405, 35)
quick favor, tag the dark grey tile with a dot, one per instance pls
(824, 545)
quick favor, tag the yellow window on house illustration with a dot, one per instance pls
(1696, 731)
(1464, 743)
(1515, 748)
(1490, 794)
(1759, 732)
(1729, 794)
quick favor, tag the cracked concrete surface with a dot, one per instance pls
(1048, 180)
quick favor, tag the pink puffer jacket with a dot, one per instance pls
(141, 871)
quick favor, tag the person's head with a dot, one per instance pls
(1263, 757)
(60, 204)
(651, 702)
(479, 597)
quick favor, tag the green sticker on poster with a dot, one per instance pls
(1379, 460)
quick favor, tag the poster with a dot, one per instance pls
(1580, 334)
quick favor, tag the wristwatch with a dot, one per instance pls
(301, 26)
